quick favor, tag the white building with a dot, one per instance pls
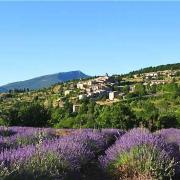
(59, 103)
(67, 92)
(80, 85)
(88, 90)
(90, 83)
(145, 83)
(95, 87)
(132, 88)
(113, 95)
(156, 82)
(152, 75)
(76, 107)
(90, 94)
(82, 96)
(102, 79)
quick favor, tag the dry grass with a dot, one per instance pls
(107, 102)
(62, 132)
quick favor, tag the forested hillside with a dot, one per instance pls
(157, 68)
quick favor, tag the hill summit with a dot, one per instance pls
(44, 81)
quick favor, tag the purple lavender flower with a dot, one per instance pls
(137, 146)
(19, 136)
(171, 135)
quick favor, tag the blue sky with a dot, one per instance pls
(38, 38)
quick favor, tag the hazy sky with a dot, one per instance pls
(44, 38)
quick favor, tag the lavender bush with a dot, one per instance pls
(55, 158)
(13, 137)
(35, 154)
(140, 154)
(172, 136)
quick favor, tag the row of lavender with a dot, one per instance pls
(13, 137)
(139, 154)
(41, 154)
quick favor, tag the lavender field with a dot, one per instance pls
(36, 153)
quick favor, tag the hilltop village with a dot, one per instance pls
(103, 89)
(109, 89)
(105, 85)
(148, 97)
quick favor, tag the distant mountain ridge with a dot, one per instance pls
(44, 81)
(2, 90)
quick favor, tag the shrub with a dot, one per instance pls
(139, 154)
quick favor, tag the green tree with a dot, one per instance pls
(117, 116)
(140, 89)
(57, 115)
(28, 114)
(168, 121)
(150, 115)
(65, 123)
(125, 89)
(171, 90)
